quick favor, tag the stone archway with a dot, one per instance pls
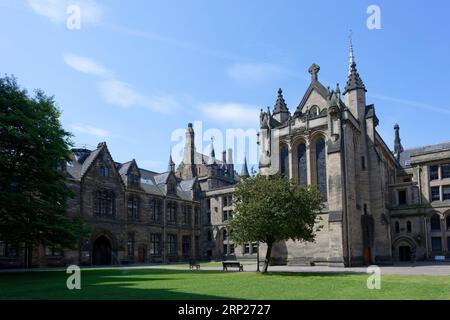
(102, 251)
(403, 249)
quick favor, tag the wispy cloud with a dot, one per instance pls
(56, 10)
(91, 130)
(118, 92)
(86, 65)
(231, 112)
(254, 73)
(411, 103)
(124, 95)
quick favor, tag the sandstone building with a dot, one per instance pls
(380, 206)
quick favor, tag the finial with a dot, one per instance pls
(314, 70)
(280, 92)
(338, 90)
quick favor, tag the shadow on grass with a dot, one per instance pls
(120, 284)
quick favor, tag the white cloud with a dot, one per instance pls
(411, 103)
(124, 95)
(90, 130)
(56, 10)
(235, 113)
(86, 65)
(254, 73)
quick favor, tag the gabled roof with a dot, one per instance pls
(315, 85)
(201, 158)
(90, 159)
(187, 185)
(162, 178)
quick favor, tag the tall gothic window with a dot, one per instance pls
(155, 244)
(435, 222)
(130, 245)
(104, 203)
(133, 207)
(321, 168)
(186, 245)
(172, 212)
(302, 173)
(284, 161)
(172, 244)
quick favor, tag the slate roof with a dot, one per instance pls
(405, 156)
(151, 182)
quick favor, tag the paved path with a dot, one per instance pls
(418, 268)
(431, 269)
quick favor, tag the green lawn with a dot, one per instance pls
(135, 283)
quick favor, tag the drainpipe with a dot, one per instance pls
(426, 236)
(164, 244)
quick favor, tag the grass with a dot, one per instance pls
(141, 283)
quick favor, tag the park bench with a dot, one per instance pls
(194, 265)
(232, 264)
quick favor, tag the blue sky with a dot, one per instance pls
(137, 71)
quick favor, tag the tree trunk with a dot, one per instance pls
(267, 260)
(28, 255)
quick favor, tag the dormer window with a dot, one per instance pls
(134, 181)
(104, 171)
(171, 188)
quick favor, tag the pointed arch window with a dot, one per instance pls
(321, 168)
(302, 167)
(314, 111)
(284, 160)
(408, 226)
(397, 227)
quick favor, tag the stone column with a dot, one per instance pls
(308, 162)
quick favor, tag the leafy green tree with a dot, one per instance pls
(33, 192)
(272, 209)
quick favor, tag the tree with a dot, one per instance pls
(272, 209)
(33, 192)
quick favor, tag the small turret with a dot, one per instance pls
(171, 165)
(280, 111)
(398, 148)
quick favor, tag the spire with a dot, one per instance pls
(171, 166)
(351, 55)
(354, 80)
(244, 172)
(398, 148)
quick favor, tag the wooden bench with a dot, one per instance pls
(232, 264)
(194, 265)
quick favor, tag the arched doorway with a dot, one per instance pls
(101, 253)
(142, 253)
(404, 253)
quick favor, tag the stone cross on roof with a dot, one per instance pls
(314, 70)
